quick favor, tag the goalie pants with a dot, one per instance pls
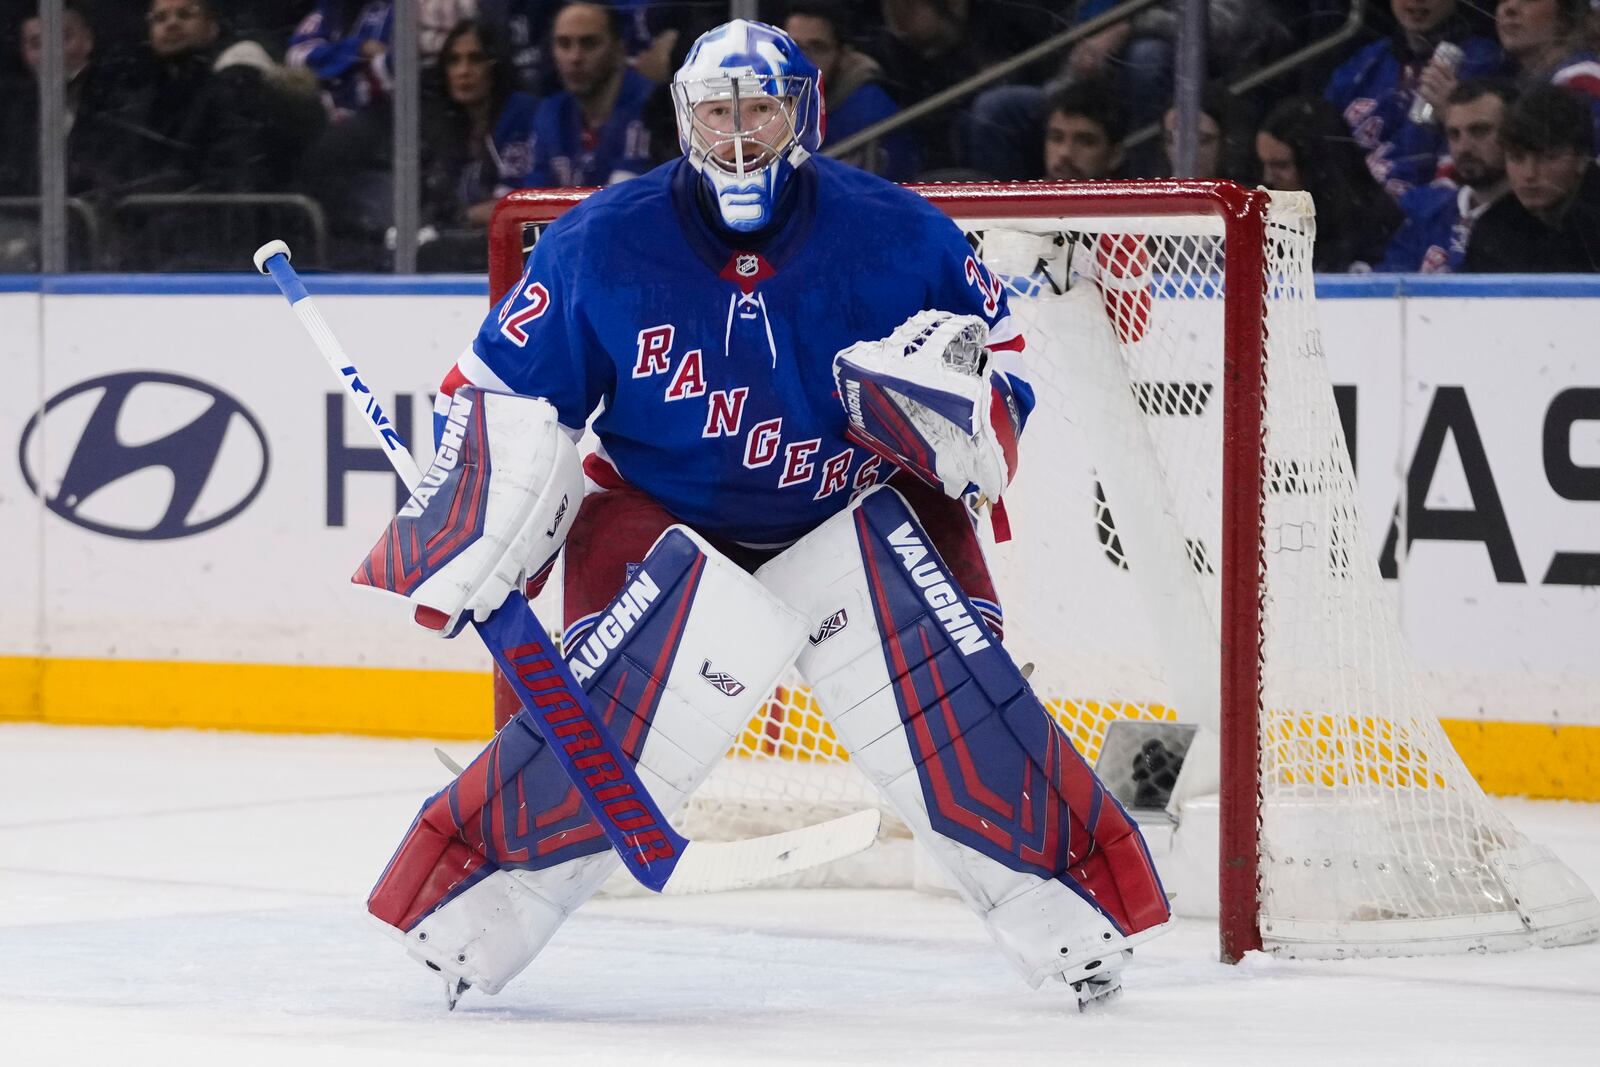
(617, 525)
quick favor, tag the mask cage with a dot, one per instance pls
(704, 132)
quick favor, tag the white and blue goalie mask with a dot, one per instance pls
(749, 110)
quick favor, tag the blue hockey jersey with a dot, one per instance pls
(713, 363)
(332, 51)
(566, 153)
(1433, 239)
(1375, 88)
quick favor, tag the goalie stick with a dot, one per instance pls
(656, 855)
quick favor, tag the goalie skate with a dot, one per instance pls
(1101, 985)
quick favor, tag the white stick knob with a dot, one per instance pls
(267, 251)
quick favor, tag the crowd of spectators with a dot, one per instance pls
(1481, 145)
(1448, 136)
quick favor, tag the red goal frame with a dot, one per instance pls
(1243, 213)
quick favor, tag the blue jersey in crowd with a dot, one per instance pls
(714, 362)
(1433, 239)
(332, 51)
(567, 153)
(1580, 73)
(513, 141)
(525, 26)
(1374, 89)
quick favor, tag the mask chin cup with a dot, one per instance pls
(745, 202)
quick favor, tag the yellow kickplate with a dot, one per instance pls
(1508, 758)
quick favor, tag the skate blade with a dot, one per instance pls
(453, 988)
(1096, 994)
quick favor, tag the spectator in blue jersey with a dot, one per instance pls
(853, 94)
(1083, 134)
(652, 34)
(1440, 217)
(1304, 144)
(1545, 44)
(1551, 220)
(591, 133)
(345, 43)
(1545, 40)
(477, 145)
(1376, 87)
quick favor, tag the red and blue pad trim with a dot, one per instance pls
(998, 775)
(550, 788)
(445, 512)
(879, 424)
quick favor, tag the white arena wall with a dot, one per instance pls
(183, 500)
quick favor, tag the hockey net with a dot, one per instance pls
(1187, 547)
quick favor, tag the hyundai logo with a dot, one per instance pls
(144, 455)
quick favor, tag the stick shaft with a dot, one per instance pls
(356, 390)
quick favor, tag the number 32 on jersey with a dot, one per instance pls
(538, 298)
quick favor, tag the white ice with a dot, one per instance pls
(175, 897)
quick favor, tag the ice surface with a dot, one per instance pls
(181, 897)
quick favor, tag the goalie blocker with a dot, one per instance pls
(508, 482)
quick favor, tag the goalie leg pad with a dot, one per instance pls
(676, 666)
(494, 508)
(934, 712)
(953, 529)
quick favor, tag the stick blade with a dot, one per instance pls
(717, 866)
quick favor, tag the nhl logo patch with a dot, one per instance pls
(746, 270)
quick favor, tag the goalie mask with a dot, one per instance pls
(749, 111)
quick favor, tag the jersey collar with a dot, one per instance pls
(719, 248)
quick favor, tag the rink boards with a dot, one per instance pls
(184, 501)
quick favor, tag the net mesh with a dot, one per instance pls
(1110, 585)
